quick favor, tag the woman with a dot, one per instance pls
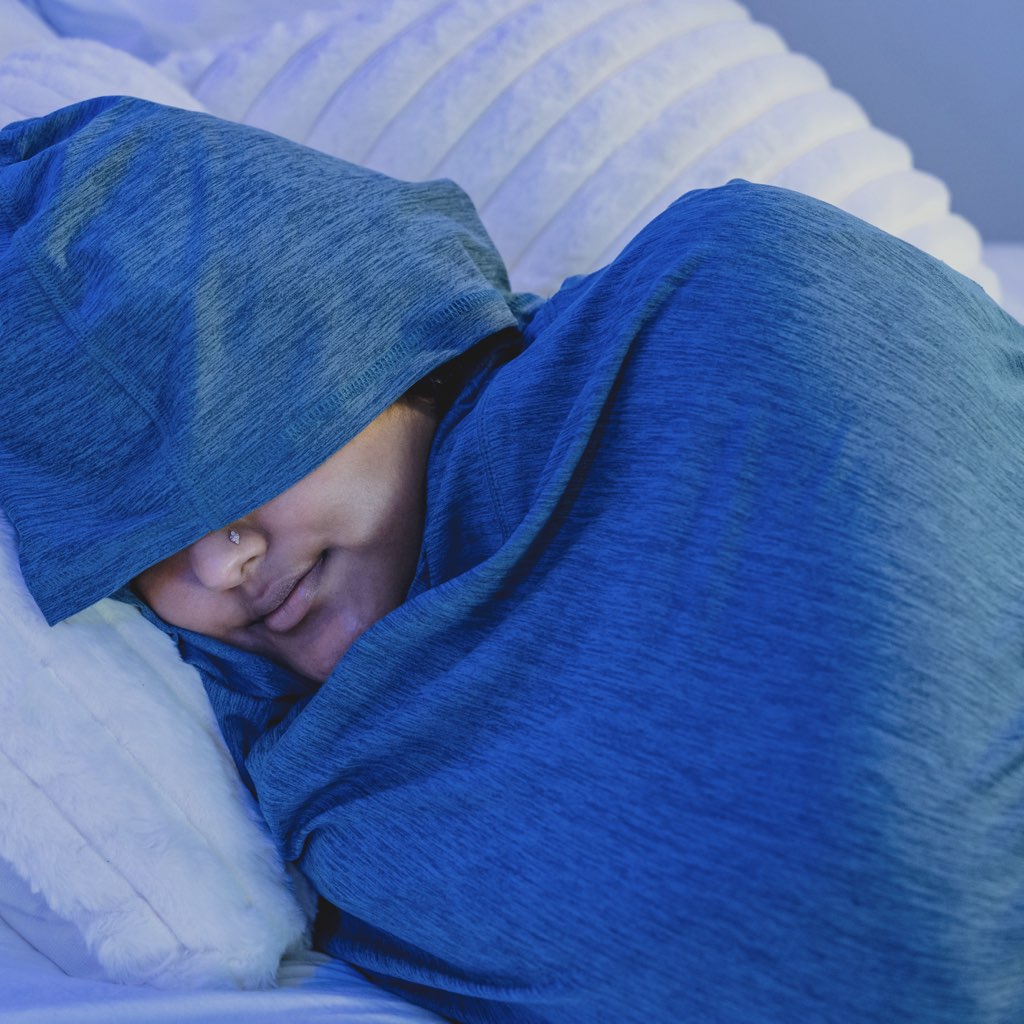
(648, 654)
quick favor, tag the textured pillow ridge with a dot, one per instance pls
(21, 27)
(38, 79)
(141, 833)
(573, 124)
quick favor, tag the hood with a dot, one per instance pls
(196, 314)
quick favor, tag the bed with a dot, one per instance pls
(136, 882)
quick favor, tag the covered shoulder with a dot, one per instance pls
(778, 249)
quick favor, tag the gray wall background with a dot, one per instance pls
(946, 76)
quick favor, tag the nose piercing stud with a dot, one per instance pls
(233, 537)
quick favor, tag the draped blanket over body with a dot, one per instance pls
(706, 702)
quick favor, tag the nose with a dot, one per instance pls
(219, 564)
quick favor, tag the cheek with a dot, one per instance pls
(166, 589)
(156, 586)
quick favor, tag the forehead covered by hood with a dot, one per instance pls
(195, 314)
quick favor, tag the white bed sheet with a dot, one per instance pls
(313, 988)
(48, 976)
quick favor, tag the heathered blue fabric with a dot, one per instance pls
(195, 315)
(707, 701)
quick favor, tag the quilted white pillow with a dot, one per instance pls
(572, 123)
(120, 805)
(35, 80)
(1007, 260)
(151, 28)
(21, 27)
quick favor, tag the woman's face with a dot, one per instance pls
(317, 565)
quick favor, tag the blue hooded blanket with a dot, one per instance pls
(707, 700)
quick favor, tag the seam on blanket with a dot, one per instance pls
(195, 87)
(85, 839)
(535, 59)
(869, 172)
(371, 58)
(787, 160)
(841, 169)
(817, 134)
(258, 35)
(914, 213)
(213, 62)
(21, 76)
(897, 173)
(28, 942)
(615, 152)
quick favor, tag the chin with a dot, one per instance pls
(331, 635)
(319, 667)
(322, 655)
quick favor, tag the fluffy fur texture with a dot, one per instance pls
(572, 123)
(45, 77)
(120, 805)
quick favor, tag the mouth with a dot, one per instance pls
(297, 599)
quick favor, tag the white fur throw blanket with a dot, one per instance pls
(120, 805)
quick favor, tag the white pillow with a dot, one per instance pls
(37, 79)
(151, 28)
(571, 123)
(20, 27)
(120, 805)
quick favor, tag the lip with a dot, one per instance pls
(297, 599)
